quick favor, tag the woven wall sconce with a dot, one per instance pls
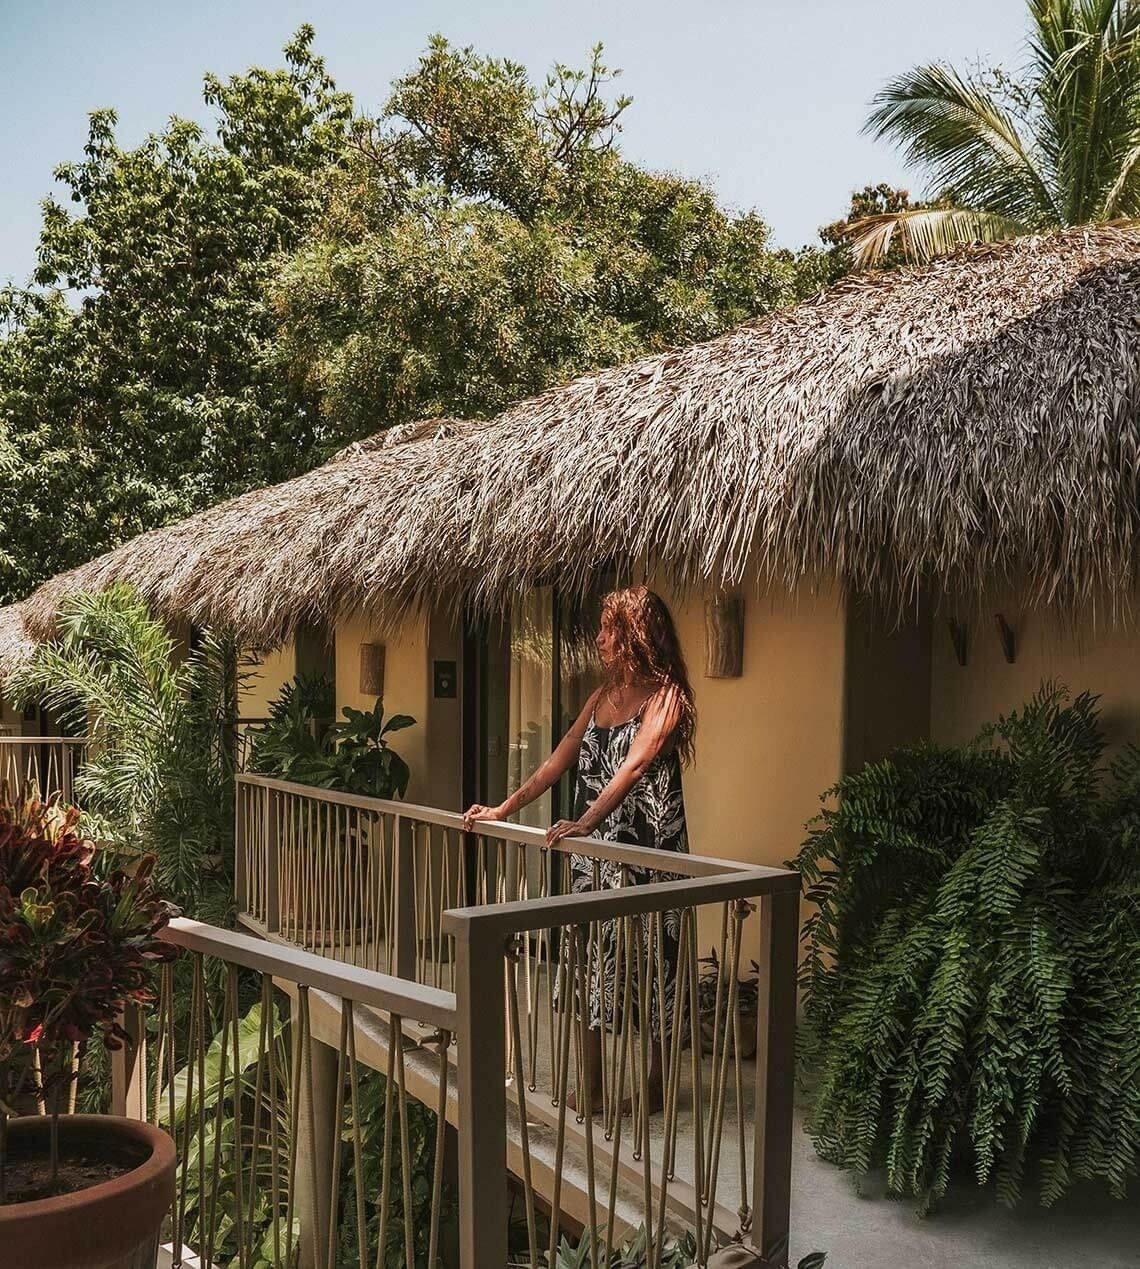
(724, 637)
(372, 669)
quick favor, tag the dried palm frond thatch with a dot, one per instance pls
(972, 423)
(16, 645)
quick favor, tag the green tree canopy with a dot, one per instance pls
(146, 393)
(222, 309)
(487, 239)
(1058, 145)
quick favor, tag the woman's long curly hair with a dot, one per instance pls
(647, 651)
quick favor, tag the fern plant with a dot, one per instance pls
(972, 983)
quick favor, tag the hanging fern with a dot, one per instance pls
(972, 977)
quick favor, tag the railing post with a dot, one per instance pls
(272, 813)
(128, 1067)
(317, 1127)
(241, 847)
(405, 862)
(480, 1002)
(67, 772)
(775, 1073)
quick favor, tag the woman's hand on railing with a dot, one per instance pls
(567, 828)
(474, 814)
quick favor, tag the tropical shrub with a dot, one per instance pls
(75, 947)
(972, 985)
(353, 756)
(158, 776)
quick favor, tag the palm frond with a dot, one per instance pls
(1086, 80)
(967, 141)
(926, 233)
(158, 775)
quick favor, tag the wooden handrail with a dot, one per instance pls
(641, 857)
(306, 969)
(6, 739)
(523, 915)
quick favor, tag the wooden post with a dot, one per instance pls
(128, 1067)
(67, 772)
(775, 1073)
(272, 861)
(405, 861)
(241, 863)
(480, 1001)
(317, 1125)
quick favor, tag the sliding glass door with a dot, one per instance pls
(537, 668)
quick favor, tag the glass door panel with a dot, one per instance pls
(531, 695)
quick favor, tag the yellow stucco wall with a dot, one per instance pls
(771, 741)
(264, 675)
(1098, 657)
(406, 689)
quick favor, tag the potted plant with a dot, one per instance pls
(77, 944)
(747, 1002)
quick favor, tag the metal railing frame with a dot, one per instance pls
(477, 1009)
(68, 746)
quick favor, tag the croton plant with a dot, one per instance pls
(75, 945)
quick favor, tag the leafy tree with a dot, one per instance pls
(487, 239)
(1059, 145)
(224, 310)
(148, 395)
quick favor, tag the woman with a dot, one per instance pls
(630, 741)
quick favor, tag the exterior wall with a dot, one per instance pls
(1098, 658)
(265, 674)
(444, 718)
(406, 687)
(770, 742)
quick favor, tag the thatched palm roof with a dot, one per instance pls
(974, 420)
(16, 644)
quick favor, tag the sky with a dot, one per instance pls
(765, 100)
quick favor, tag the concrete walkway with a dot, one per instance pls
(969, 1231)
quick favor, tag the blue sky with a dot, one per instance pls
(763, 99)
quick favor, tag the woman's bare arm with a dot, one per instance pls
(547, 775)
(662, 714)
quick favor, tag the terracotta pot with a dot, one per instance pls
(112, 1225)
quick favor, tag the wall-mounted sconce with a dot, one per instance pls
(959, 637)
(372, 669)
(1006, 635)
(724, 637)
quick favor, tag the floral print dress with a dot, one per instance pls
(651, 814)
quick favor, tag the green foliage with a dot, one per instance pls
(75, 947)
(972, 984)
(220, 1162)
(149, 394)
(353, 756)
(422, 1124)
(677, 1253)
(486, 239)
(158, 773)
(632, 1254)
(1055, 146)
(222, 309)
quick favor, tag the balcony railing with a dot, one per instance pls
(499, 983)
(566, 978)
(39, 766)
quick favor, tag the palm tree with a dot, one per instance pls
(1060, 146)
(158, 775)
